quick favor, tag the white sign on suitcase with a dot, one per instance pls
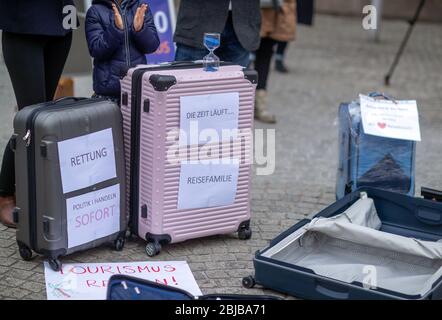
(204, 185)
(205, 114)
(390, 119)
(93, 215)
(87, 160)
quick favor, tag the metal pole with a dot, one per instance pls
(379, 5)
(412, 22)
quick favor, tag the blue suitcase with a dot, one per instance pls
(121, 287)
(371, 161)
(417, 220)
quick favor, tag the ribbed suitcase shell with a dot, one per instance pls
(158, 180)
(44, 228)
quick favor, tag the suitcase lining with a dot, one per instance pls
(402, 264)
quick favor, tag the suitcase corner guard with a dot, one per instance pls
(251, 75)
(162, 82)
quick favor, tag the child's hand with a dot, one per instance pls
(118, 20)
(139, 17)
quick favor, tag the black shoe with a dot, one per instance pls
(280, 67)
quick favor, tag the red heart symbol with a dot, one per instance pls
(382, 125)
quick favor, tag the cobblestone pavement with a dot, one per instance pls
(330, 63)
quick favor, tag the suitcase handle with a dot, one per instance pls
(431, 194)
(332, 291)
(189, 63)
(381, 95)
(73, 99)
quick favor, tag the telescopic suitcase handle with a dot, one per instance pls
(73, 99)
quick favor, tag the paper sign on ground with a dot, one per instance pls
(88, 281)
(207, 185)
(87, 160)
(93, 215)
(211, 113)
(390, 119)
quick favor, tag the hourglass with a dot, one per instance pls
(211, 42)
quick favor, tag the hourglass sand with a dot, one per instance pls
(211, 42)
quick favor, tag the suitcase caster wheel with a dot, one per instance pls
(55, 264)
(153, 248)
(248, 282)
(25, 253)
(245, 234)
(119, 244)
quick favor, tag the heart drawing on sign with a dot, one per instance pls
(382, 125)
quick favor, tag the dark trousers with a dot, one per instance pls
(263, 60)
(280, 49)
(35, 64)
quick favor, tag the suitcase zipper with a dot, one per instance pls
(135, 147)
(27, 138)
(126, 33)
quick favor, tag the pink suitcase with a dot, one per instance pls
(150, 104)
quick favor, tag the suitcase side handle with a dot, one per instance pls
(331, 290)
(72, 99)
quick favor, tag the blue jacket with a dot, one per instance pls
(37, 17)
(114, 50)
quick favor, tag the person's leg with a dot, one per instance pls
(263, 60)
(262, 66)
(55, 54)
(279, 57)
(23, 57)
(187, 53)
(231, 49)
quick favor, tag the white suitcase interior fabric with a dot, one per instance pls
(349, 247)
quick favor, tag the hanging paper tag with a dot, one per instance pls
(390, 119)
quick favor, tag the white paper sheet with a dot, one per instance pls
(207, 185)
(390, 119)
(204, 117)
(87, 160)
(93, 215)
(88, 281)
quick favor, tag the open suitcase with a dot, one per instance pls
(372, 244)
(152, 99)
(371, 161)
(69, 177)
(121, 287)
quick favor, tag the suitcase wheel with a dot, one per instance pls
(119, 244)
(248, 282)
(25, 252)
(55, 264)
(153, 248)
(245, 234)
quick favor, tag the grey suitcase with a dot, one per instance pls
(69, 177)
